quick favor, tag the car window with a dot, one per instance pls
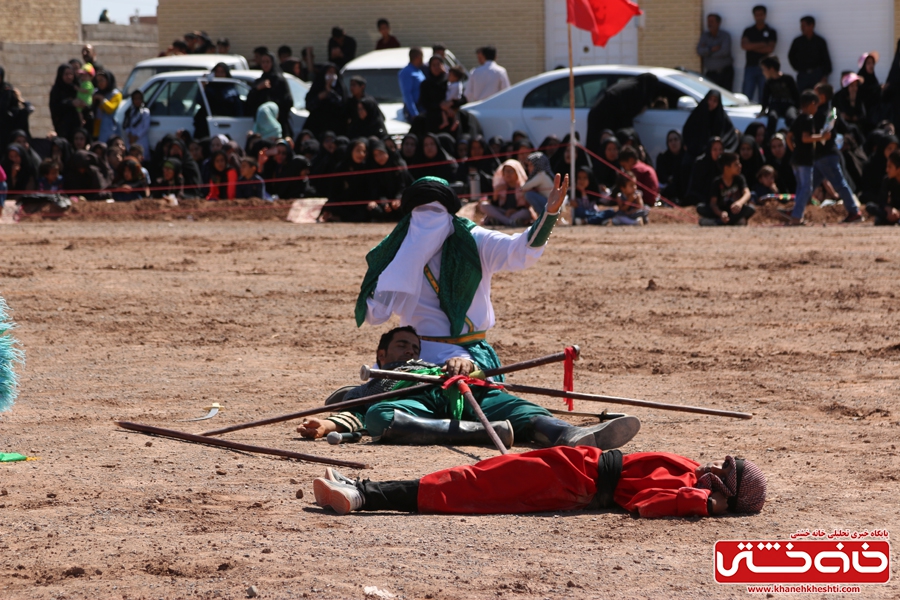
(226, 98)
(177, 99)
(381, 84)
(298, 93)
(151, 89)
(555, 94)
(671, 95)
(701, 87)
(138, 77)
(589, 87)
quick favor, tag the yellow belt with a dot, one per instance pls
(437, 290)
(475, 336)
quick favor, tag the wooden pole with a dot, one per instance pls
(467, 394)
(527, 389)
(572, 155)
(339, 406)
(199, 439)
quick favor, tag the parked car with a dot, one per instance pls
(380, 69)
(146, 69)
(175, 98)
(540, 105)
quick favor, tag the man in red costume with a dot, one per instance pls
(653, 484)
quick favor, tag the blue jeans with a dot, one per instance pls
(537, 200)
(753, 80)
(3, 188)
(829, 167)
(804, 177)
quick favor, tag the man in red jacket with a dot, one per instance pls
(653, 484)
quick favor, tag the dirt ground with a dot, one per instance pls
(152, 321)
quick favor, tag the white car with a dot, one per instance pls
(380, 69)
(146, 69)
(174, 98)
(539, 106)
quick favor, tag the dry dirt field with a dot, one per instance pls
(152, 321)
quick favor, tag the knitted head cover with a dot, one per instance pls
(430, 189)
(744, 486)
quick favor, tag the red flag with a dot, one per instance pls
(603, 18)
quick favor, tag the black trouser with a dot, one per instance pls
(390, 495)
(722, 78)
(708, 212)
(879, 213)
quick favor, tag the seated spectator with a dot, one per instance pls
(729, 196)
(540, 181)
(757, 131)
(630, 208)
(560, 162)
(585, 210)
(508, 206)
(433, 160)
(369, 121)
(170, 184)
(61, 150)
(669, 168)
(49, 178)
(628, 137)
(764, 186)
(282, 171)
(131, 183)
(779, 158)
(136, 124)
(113, 158)
(751, 156)
(886, 208)
(607, 170)
(351, 194)
(388, 181)
(875, 168)
(325, 102)
(81, 140)
(188, 171)
(222, 177)
(20, 172)
(780, 96)
(849, 103)
(642, 172)
(703, 172)
(266, 124)
(85, 178)
(250, 185)
(386, 40)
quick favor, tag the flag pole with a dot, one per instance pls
(572, 155)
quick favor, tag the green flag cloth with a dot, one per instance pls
(11, 457)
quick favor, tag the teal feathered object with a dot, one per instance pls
(10, 354)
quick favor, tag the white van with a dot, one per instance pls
(146, 69)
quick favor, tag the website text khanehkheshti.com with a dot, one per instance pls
(803, 588)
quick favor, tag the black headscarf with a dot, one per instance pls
(430, 189)
(445, 170)
(174, 187)
(279, 92)
(12, 115)
(703, 124)
(390, 179)
(869, 89)
(750, 167)
(189, 170)
(85, 175)
(66, 117)
(433, 90)
(373, 124)
(326, 114)
(617, 107)
(606, 174)
(27, 176)
(704, 171)
(670, 171)
(784, 172)
(874, 169)
(561, 166)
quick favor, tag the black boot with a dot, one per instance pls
(408, 429)
(606, 436)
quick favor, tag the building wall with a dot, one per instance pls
(670, 32)
(516, 29)
(27, 21)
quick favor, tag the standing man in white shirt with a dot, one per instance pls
(488, 78)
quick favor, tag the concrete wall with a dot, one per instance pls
(56, 21)
(31, 66)
(670, 33)
(515, 28)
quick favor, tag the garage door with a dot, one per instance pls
(620, 50)
(850, 28)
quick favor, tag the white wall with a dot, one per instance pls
(851, 27)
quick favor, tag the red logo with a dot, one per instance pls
(802, 561)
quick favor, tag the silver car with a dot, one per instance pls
(539, 106)
(174, 98)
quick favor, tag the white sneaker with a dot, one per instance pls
(339, 497)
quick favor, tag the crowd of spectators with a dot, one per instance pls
(814, 144)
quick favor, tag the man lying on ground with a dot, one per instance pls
(438, 416)
(652, 484)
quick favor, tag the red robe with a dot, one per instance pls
(655, 484)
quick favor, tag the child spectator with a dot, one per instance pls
(804, 139)
(886, 210)
(49, 179)
(642, 172)
(171, 184)
(780, 96)
(130, 183)
(137, 152)
(250, 185)
(764, 186)
(509, 206)
(729, 196)
(222, 178)
(455, 78)
(540, 181)
(587, 194)
(630, 209)
(136, 124)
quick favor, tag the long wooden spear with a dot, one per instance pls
(366, 373)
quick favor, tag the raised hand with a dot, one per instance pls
(558, 195)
